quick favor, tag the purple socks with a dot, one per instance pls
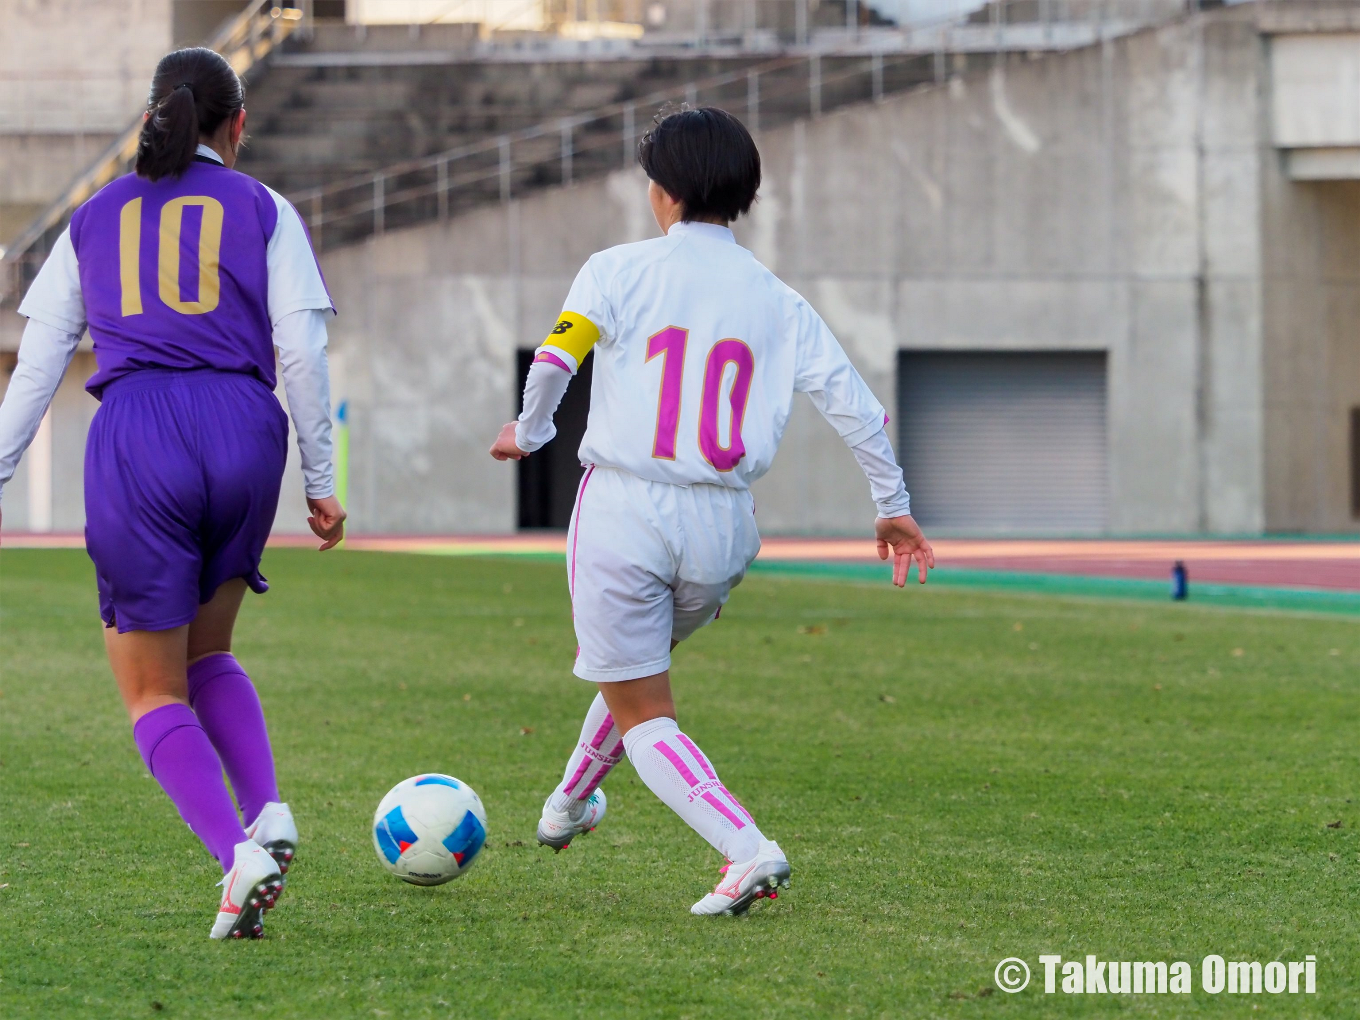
(187, 748)
(227, 706)
(178, 753)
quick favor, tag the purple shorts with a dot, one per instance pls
(182, 475)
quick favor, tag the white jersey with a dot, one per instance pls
(698, 352)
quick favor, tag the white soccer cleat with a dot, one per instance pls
(763, 875)
(274, 830)
(558, 828)
(250, 888)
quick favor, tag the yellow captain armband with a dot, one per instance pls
(574, 334)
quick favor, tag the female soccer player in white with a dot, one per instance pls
(698, 352)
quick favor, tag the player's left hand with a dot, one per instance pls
(504, 447)
(327, 521)
(903, 537)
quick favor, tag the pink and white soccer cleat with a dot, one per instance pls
(763, 875)
(251, 887)
(274, 830)
(558, 828)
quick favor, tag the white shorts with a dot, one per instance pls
(649, 563)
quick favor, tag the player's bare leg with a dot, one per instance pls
(677, 771)
(633, 702)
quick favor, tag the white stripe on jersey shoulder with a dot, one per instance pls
(284, 207)
(295, 280)
(55, 296)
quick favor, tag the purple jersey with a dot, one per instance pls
(173, 273)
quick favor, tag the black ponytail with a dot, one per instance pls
(192, 93)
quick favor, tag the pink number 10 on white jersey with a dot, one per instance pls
(670, 344)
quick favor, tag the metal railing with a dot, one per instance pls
(244, 40)
(568, 148)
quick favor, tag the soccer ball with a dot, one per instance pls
(429, 829)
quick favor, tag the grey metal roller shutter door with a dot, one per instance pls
(996, 442)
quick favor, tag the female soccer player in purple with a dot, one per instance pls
(189, 275)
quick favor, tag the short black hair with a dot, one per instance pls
(705, 159)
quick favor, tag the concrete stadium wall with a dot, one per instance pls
(1312, 363)
(1125, 198)
(1107, 199)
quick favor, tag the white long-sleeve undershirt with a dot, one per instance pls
(876, 460)
(547, 384)
(45, 352)
(543, 392)
(301, 341)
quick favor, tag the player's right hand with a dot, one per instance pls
(504, 448)
(903, 537)
(327, 521)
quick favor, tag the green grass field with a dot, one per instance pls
(956, 776)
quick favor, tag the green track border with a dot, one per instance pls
(1230, 596)
(1235, 596)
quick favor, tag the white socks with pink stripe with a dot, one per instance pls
(599, 750)
(676, 770)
